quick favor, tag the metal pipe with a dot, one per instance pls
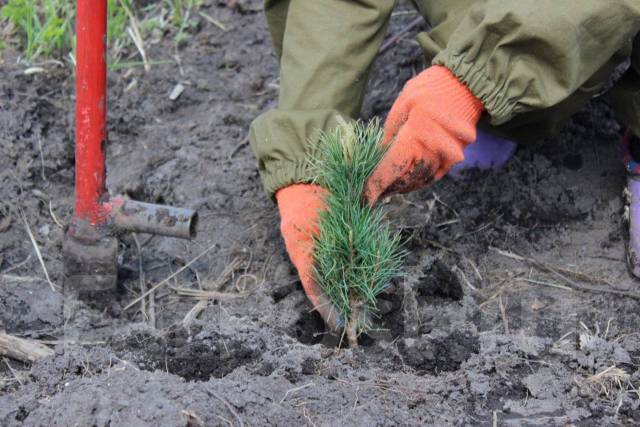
(91, 77)
(139, 217)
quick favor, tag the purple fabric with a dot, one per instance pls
(488, 152)
(633, 252)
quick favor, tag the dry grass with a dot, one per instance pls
(171, 276)
(36, 248)
(212, 290)
(568, 277)
(43, 31)
(609, 383)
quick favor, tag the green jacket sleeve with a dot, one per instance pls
(526, 55)
(326, 48)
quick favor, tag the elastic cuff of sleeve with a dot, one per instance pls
(492, 94)
(284, 173)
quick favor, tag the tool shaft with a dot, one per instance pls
(91, 99)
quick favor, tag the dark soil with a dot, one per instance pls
(473, 336)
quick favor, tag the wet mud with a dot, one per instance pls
(487, 327)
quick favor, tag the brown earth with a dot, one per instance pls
(485, 329)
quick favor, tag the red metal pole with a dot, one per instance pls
(91, 95)
(90, 246)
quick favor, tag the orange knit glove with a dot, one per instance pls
(428, 127)
(300, 206)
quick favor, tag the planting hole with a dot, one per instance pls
(192, 359)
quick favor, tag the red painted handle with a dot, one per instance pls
(91, 109)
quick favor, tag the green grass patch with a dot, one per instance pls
(117, 21)
(44, 26)
(45, 29)
(356, 252)
(181, 14)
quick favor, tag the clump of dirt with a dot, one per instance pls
(438, 280)
(27, 307)
(429, 355)
(474, 334)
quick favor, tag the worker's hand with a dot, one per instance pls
(300, 206)
(428, 127)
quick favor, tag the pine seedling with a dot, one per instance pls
(356, 253)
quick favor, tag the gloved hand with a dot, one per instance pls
(428, 127)
(300, 206)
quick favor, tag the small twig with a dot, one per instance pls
(165, 281)
(206, 295)
(213, 21)
(507, 254)
(385, 385)
(576, 274)
(570, 283)
(141, 281)
(194, 313)
(227, 404)
(13, 372)
(238, 147)
(226, 274)
(229, 423)
(293, 390)
(606, 332)
(463, 277)
(243, 279)
(21, 349)
(22, 279)
(439, 200)
(53, 216)
(37, 250)
(44, 176)
(307, 417)
(438, 245)
(152, 310)
(539, 282)
(134, 33)
(17, 266)
(585, 288)
(176, 58)
(449, 222)
(397, 37)
(5, 217)
(72, 342)
(503, 313)
(475, 268)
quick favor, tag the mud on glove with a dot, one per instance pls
(428, 128)
(300, 206)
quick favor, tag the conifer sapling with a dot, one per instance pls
(356, 253)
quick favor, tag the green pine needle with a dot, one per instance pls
(356, 253)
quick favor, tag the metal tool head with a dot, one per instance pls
(90, 265)
(90, 251)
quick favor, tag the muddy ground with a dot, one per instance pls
(486, 329)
